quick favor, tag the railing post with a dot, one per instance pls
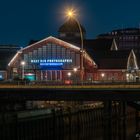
(108, 120)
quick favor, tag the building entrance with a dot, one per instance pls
(51, 75)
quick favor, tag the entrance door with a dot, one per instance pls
(49, 75)
(52, 75)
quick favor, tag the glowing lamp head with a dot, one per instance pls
(75, 69)
(69, 74)
(102, 74)
(23, 63)
(70, 13)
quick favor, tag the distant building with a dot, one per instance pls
(112, 52)
(128, 38)
(7, 52)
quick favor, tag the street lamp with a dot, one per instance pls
(127, 77)
(75, 69)
(71, 14)
(102, 75)
(23, 65)
(69, 79)
(69, 74)
(75, 75)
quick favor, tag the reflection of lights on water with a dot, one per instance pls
(138, 136)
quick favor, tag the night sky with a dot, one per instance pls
(23, 20)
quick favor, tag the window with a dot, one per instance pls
(44, 52)
(40, 53)
(73, 58)
(77, 60)
(26, 60)
(58, 75)
(63, 52)
(53, 51)
(49, 51)
(59, 54)
(62, 34)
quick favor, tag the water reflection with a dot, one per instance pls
(115, 123)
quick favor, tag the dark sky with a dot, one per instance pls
(22, 20)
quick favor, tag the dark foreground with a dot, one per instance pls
(70, 124)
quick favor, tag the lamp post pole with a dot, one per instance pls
(69, 77)
(23, 65)
(81, 51)
(102, 75)
(71, 14)
(75, 76)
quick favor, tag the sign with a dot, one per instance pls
(51, 64)
(37, 61)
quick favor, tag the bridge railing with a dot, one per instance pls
(62, 83)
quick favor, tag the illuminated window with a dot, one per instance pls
(59, 53)
(40, 53)
(53, 51)
(44, 52)
(49, 51)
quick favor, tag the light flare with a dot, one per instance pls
(71, 13)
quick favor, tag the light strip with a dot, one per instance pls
(16, 55)
(60, 41)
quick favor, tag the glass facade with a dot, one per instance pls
(52, 53)
(51, 60)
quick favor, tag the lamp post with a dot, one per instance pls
(75, 76)
(69, 74)
(127, 77)
(102, 75)
(23, 65)
(69, 77)
(71, 14)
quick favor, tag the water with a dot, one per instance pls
(83, 124)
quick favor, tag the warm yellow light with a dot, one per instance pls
(70, 13)
(22, 63)
(102, 74)
(69, 74)
(75, 69)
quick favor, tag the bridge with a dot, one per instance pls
(70, 92)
